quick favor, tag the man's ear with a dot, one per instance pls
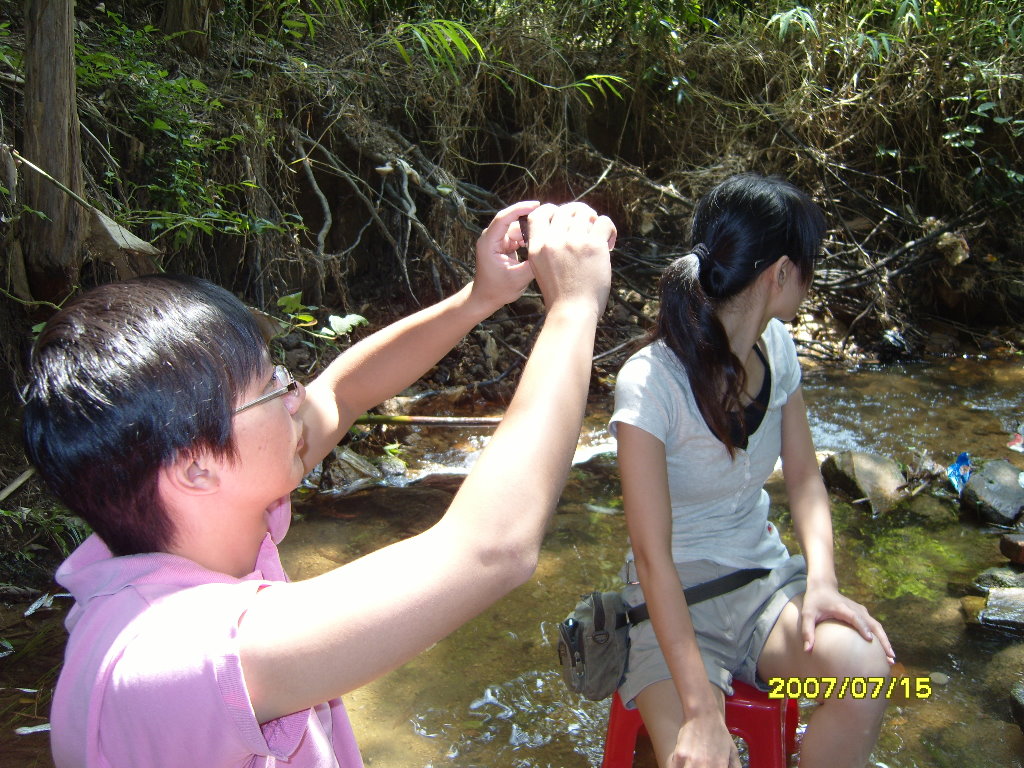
(192, 475)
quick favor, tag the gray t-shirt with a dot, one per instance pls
(719, 505)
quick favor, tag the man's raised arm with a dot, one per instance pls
(306, 642)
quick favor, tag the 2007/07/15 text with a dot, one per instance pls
(852, 687)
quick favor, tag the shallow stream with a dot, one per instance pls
(490, 695)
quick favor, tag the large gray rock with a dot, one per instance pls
(994, 494)
(865, 475)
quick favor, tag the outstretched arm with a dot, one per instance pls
(812, 523)
(306, 642)
(383, 364)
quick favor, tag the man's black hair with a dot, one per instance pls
(125, 379)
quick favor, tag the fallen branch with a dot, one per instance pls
(596, 184)
(19, 593)
(18, 482)
(846, 281)
(106, 235)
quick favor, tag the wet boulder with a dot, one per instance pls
(1004, 610)
(345, 471)
(993, 493)
(878, 479)
(1000, 577)
(1011, 545)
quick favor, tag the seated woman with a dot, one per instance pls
(702, 414)
(155, 412)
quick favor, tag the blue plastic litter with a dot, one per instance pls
(959, 472)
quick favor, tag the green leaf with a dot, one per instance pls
(343, 326)
(292, 303)
(401, 50)
(443, 29)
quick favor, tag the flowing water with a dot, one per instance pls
(490, 694)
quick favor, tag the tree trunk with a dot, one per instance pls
(52, 246)
(191, 17)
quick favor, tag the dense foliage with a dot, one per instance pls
(332, 159)
(318, 139)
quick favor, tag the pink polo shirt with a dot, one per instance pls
(152, 675)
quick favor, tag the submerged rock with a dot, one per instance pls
(993, 493)
(1017, 703)
(1003, 674)
(603, 465)
(397, 512)
(445, 481)
(930, 511)
(865, 475)
(972, 606)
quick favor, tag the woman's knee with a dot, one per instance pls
(842, 652)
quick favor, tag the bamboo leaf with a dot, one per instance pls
(401, 50)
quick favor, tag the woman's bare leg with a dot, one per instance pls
(662, 712)
(842, 731)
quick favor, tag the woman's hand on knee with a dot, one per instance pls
(824, 603)
(705, 742)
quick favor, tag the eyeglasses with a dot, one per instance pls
(280, 374)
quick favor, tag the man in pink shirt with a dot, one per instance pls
(156, 414)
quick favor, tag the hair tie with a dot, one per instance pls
(701, 252)
(690, 264)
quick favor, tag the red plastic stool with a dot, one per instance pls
(768, 726)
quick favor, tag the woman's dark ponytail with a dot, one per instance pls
(741, 227)
(691, 329)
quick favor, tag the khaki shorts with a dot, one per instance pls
(731, 629)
